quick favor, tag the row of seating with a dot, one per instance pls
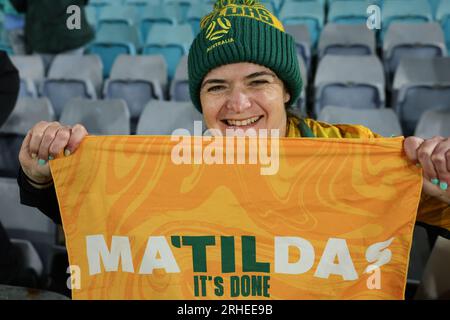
(358, 82)
(173, 41)
(112, 117)
(312, 13)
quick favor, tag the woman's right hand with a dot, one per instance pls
(42, 143)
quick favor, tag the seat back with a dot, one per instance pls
(381, 121)
(433, 123)
(100, 117)
(163, 117)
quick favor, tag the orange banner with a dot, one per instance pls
(163, 218)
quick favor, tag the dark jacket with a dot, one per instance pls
(46, 28)
(9, 86)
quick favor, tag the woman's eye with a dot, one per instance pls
(215, 88)
(258, 82)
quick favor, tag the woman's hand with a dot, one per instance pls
(42, 143)
(434, 157)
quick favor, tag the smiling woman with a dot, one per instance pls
(244, 96)
(242, 75)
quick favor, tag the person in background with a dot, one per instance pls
(9, 86)
(14, 24)
(10, 272)
(46, 31)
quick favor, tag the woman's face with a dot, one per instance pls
(243, 96)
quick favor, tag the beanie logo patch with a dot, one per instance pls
(218, 28)
(257, 12)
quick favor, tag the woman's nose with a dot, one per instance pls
(238, 100)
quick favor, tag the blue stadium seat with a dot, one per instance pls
(181, 7)
(196, 13)
(348, 12)
(73, 76)
(405, 11)
(434, 4)
(99, 117)
(170, 41)
(103, 3)
(420, 84)
(118, 14)
(137, 80)
(425, 40)
(163, 117)
(349, 81)
(443, 17)
(310, 13)
(91, 16)
(142, 3)
(32, 73)
(341, 39)
(156, 14)
(113, 40)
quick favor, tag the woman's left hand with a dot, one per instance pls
(434, 157)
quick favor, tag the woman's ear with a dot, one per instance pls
(287, 96)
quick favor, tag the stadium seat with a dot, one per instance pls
(310, 13)
(299, 107)
(433, 123)
(32, 73)
(195, 14)
(302, 42)
(102, 3)
(91, 16)
(338, 39)
(435, 284)
(73, 76)
(26, 114)
(99, 117)
(181, 6)
(418, 258)
(157, 14)
(179, 88)
(424, 40)
(163, 117)
(113, 40)
(29, 225)
(118, 14)
(434, 4)
(170, 41)
(137, 80)
(401, 11)
(443, 17)
(348, 12)
(420, 84)
(349, 81)
(142, 3)
(30, 265)
(381, 121)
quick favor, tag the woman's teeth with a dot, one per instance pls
(239, 123)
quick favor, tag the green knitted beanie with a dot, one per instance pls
(243, 31)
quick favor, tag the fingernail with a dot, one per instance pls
(50, 158)
(33, 156)
(435, 181)
(444, 186)
(66, 152)
(42, 162)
